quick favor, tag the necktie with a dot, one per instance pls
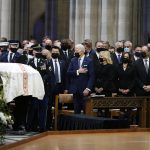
(10, 57)
(119, 58)
(79, 62)
(65, 54)
(146, 65)
(56, 72)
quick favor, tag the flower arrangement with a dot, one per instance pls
(5, 120)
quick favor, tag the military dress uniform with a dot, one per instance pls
(37, 112)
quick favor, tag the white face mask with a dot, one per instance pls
(126, 49)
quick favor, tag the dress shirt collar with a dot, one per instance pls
(145, 60)
(65, 51)
(118, 54)
(55, 59)
(82, 57)
(97, 54)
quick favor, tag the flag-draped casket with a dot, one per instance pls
(20, 80)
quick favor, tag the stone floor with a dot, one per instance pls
(14, 136)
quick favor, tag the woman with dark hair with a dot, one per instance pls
(126, 76)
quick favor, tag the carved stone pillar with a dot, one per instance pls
(20, 19)
(145, 21)
(5, 17)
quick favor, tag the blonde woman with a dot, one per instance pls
(104, 82)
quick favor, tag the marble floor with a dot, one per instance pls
(15, 136)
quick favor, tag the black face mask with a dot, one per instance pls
(55, 55)
(137, 54)
(125, 60)
(100, 49)
(13, 50)
(30, 52)
(48, 47)
(85, 52)
(44, 57)
(38, 55)
(25, 53)
(120, 49)
(64, 47)
(101, 59)
(143, 54)
(77, 55)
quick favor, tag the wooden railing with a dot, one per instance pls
(141, 103)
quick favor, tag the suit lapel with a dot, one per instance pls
(50, 66)
(61, 65)
(75, 63)
(148, 67)
(143, 66)
(84, 63)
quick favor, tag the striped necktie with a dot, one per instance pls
(10, 57)
(146, 65)
(56, 72)
(119, 58)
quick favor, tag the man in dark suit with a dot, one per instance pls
(142, 67)
(116, 57)
(136, 53)
(3, 48)
(89, 52)
(81, 74)
(98, 48)
(11, 55)
(66, 53)
(55, 80)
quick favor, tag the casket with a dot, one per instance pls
(20, 80)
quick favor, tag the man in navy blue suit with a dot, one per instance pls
(81, 74)
(55, 80)
(11, 55)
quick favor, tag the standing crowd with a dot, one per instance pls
(121, 70)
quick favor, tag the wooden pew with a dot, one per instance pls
(120, 102)
(62, 99)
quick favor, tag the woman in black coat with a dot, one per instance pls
(104, 81)
(126, 76)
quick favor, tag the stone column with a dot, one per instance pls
(20, 19)
(87, 21)
(145, 21)
(137, 20)
(94, 33)
(5, 16)
(72, 19)
(110, 20)
(51, 19)
(79, 21)
(125, 20)
(63, 19)
(104, 20)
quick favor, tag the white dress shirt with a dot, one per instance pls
(9, 55)
(146, 60)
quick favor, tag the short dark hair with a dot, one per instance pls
(56, 47)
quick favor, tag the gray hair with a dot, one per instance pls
(80, 47)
